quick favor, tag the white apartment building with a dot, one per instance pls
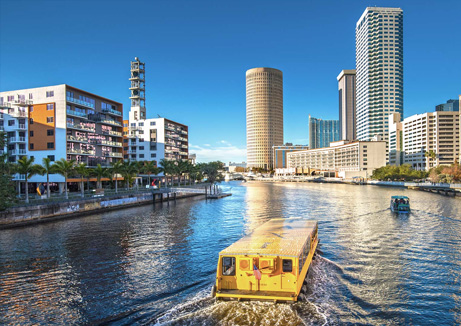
(346, 159)
(433, 131)
(379, 70)
(155, 139)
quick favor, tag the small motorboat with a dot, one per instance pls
(400, 204)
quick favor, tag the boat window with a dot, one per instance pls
(287, 265)
(228, 266)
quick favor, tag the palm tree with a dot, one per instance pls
(99, 172)
(27, 167)
(430, 155)
(167, 167)
(115, 170)
(184, 168)
(150, 167)
(64, 168)
(129, 170)
(47, 168)
(82, 171)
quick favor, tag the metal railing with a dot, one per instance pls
(80, 102)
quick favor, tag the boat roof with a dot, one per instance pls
(277, 237)
(400, 197)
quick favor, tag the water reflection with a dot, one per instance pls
(148, 265)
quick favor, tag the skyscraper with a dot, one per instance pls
(346, 89)
(138, 90)
(322, 132)
(264, 115)
(379, 70)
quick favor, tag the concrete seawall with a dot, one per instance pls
(25, 215)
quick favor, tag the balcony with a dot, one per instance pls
(112, 132)
(77, 114)
(182, 139)
(17, 139)
(22, 102)
(77, 139)
(183, 153)
(80, 127)
(80, 102)
(111, 122)
(18, 177)
(80, 151)
(112, 111)
(18, 114)
(20, 126)
(132, 151)
(111, 143)
(184, 132)
(113, 154)
(17, 152)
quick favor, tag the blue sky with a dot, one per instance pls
(197, 52)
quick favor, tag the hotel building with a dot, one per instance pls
(322, 132)
(264, 115)
(433, 131)
(379, 70)
(343, 158)
(346, 90)
(280, 154)
(61, 122)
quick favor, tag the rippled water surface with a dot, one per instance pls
(155, 265)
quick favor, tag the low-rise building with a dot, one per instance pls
(437, 132)
(343, 158)
(280, 153)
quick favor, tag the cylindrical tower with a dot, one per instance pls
(138, 88)
(264, 102)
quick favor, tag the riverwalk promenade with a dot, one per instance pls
(448, 189)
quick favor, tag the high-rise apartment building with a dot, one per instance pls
(138, 90)
(322, 132)
(346, 89)
(61, 122)
(433, 131)
(264, 115)
(451, 105)
(379, 70)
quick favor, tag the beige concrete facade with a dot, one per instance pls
(346, 159)
(346, 90)
(437, 131)
(264, 115)
(280, 154)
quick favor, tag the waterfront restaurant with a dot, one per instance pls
(344, 159)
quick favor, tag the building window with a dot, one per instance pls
(31, 133)
(141, 155)
(153, 148)
(31, 96)
(50, 107)
(153, 155)
(10, 122)
(31, 109)
(31, 121)
(51, 157)
(50, 132)
(31, 146)
(152, 123)
(50, 94)
(50, 145)
(10, 98)
(141, 124)
(141, 148)
(49, 119)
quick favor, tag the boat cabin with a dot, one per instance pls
(400, 204)
(269, 264)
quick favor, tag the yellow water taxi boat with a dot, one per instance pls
(269, 264)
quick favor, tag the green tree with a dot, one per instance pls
(83, 172)
(212, 171)
(64, 168)
(7, 191)
(150, 167)
(184, 169)
(129, 170)
(167, 167)
(27, 167)
(115, 170)
(47, 168)
(99, 172)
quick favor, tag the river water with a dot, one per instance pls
(155, 265)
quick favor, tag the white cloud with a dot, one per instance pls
(224, 152)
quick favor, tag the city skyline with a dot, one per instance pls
(182, 55)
